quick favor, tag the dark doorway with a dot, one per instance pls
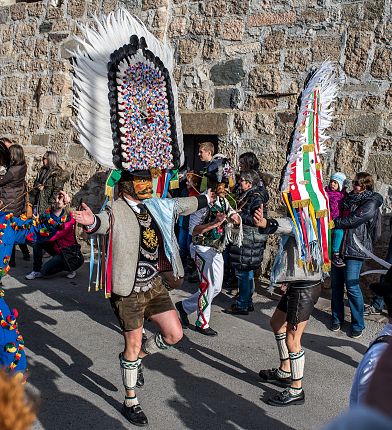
(191, 149)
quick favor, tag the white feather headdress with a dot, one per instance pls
(302, 182)
(125, 96)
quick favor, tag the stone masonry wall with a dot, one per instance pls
(238, 61)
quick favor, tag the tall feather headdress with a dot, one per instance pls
(302, 183)
(125, 96)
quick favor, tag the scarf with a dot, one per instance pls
(165, 212)
(355, 199)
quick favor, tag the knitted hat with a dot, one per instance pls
(339, 177)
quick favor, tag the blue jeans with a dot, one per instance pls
(184, 241)
(246, 286)
(348, 275)
(55, 265)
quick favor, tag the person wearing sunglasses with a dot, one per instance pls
(361, 212)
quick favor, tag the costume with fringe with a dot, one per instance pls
(302, 184)
(14, 230)
(128, 118)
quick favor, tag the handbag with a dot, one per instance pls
(28, 206)
(73, 257)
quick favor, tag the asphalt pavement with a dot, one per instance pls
(73, 341)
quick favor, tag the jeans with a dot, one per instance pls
(348, 275)
(246, 286)
(184, 242)
(55, 265)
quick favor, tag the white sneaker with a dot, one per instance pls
(33, 275)
(70, 275)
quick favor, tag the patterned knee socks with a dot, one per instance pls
(283, 353)
(297, 364)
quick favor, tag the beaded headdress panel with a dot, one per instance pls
(125, 97)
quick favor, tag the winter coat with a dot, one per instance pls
(250, 255)
(335, 201)
(13, 188)
(361, 221)
(64, 236)
(53, 181)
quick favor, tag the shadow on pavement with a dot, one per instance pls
(324, 345)
(209, 404)
(60, 410)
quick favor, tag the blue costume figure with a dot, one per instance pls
(15, 230)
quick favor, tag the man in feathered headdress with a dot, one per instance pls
(303, 254)
(128, 120)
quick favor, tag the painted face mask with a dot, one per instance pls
(143, 188)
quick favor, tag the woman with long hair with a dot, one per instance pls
(49, 181)
(13, 190)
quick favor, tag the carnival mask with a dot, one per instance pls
(142, 187)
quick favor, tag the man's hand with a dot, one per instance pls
(62, 200)
(258, 218)
(220, 219)
(84, 216)
(40, 187)
(236, 219)
(211, 196)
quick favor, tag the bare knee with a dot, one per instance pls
(278, 321)
(174, 336)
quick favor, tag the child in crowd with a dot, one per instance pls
(336, 191)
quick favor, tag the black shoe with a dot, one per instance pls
(206, 331)
(355, 334)
(193, 277)
(235, 310)
(337, 260)
(135, 415)
(271, 375)
(251, 308)
(183, 315)
(26, 257)
(334, 327)
(140, 376)
(286, 399)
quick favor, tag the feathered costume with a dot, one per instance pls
(128, 119)
(126, 99)
(18, 230)
(302, 184)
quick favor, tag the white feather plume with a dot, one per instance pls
(325, 80)
(91, 79)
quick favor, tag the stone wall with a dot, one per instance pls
(241, 65)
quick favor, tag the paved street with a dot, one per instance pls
(72, 342)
